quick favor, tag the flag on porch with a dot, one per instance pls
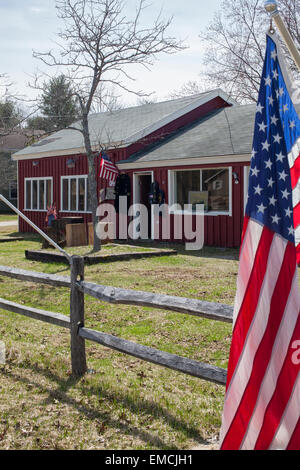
(108, 171)
(262, 402)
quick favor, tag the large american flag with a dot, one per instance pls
(108, 171)
(262, 402)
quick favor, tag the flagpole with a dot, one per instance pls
(272, 9)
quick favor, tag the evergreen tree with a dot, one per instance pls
(58, 104)
(10, 115)
(37, 123)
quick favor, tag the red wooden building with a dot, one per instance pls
(193, 147)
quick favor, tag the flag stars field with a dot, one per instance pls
(269, 154)
(262, 127)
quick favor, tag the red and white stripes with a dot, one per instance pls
(108, 171)
(294, 162)
(263, 383)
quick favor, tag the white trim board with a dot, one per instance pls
(219, 160)
(136, 193)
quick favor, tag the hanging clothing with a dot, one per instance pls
(156, 195)
(122, 188)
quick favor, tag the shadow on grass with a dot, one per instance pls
(206, 252)
(137, 406)
(29, 237)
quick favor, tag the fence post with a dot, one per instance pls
(78, 357)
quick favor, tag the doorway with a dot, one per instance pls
(141, 191)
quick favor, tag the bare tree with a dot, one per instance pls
(106, 99)
(13, 114)
(187, 89)
(235, 41)
(97, 46)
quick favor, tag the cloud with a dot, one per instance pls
(37, 10)
(33, 24)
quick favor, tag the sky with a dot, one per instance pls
(28, 25)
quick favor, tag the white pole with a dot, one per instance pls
(49, 240)
(272, 8)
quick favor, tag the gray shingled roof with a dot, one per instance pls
(225, 132)
(120, 127)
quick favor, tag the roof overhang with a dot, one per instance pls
(196, 161)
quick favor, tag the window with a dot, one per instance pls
(74, 194)
(38, 193)
(12, 190)
(210, 187)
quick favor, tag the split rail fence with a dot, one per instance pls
(79, 333)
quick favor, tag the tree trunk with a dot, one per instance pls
(93, 196)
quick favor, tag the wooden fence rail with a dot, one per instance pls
(171, 361)
(49, 317)
(32, 276)
(116, 295)
(79, 287)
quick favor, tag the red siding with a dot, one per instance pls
(223, 231)
(55, 167)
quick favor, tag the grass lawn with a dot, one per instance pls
(123, 403)
(8, 217)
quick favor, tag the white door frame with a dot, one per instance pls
(246, 180)
(136, 193)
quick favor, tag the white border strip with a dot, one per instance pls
(292, 88)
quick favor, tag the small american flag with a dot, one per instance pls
(108, 171)
(262, 402)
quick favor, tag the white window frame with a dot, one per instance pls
(136, 193)
(43, 178)
(172, 191)
(69, 178)
(246, 185)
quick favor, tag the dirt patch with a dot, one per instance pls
(207, 447)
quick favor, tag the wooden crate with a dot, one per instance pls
(91, 234)
(76, 235)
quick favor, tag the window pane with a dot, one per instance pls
(28, 195)
(88, 196)
(48, 184)
(73, 195)
(186, 182)
(81, 198)
(34, 194)
(65, 196)
(216, 183)
(42, 195)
